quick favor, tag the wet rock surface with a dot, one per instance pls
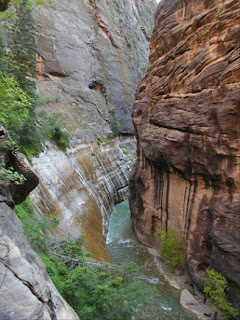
(186, 119)
(81, 186)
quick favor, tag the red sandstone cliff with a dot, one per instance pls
(187, 125)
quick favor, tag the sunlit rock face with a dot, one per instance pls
(91, 56)
(187, 126)
(80, 188)
(26, 291)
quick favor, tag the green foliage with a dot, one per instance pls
(94, 153)
(114, 123)
(54, 128)
(10, 175)
(96, 292)
(100, 140)
(35, 229)
(8, 145)
(14, 106)
(172, 248)
(215, 285)
(23, 47)
(8, 15)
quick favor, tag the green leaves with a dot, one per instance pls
(10, 175)
(215, 285)
(14, 105)
(172, 248)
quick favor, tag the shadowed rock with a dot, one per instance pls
(186, 119)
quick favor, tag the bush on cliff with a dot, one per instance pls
(95, 290)
(215, 286)
(172, 248)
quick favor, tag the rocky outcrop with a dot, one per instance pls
(4, 4)
(91, 55)
(187, 125)
(80, 188)
(26, 291)
(10, 192)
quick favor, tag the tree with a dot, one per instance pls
(23, 47)
(14, 106)
(215, 285)
(172, 248)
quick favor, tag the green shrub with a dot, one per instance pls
(215, 285)
(10, 175)
(94, 290)
(114, 123)
(14, 106)
(54, 128)
(172, 248)
(34, 229)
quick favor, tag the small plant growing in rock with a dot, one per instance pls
(215, 285)
(172, 248)
(10, 175)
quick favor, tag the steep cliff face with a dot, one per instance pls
(91, 55)
(81, 187)
(187, 125)
(26, 291)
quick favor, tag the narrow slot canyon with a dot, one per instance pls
(119, 160)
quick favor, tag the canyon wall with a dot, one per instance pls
(91, 55)
(26, 291)
(80, 187)
(186, 119)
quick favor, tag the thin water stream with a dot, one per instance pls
(124, 247)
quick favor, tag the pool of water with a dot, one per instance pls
(124, 247)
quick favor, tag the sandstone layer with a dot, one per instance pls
(80, 187)
(186, 119)
(91, 55)
(26, 291)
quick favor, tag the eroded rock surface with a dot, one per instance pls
(186, 119)
(26, 291)
(91, 55)
(81, 186)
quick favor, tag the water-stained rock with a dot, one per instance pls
(91, 55)
(186, 118)
(81, 186)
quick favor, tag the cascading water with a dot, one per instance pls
(124, 247)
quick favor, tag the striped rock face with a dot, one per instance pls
(187, 126)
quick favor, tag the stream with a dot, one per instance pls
(124, 247)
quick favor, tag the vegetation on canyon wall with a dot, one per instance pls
(18, 94)
(95, 290)
(215, 286)
(172, 248)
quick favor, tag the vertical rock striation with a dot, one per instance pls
(81, 187)
(186, 119)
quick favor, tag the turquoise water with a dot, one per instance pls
(124, 247)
